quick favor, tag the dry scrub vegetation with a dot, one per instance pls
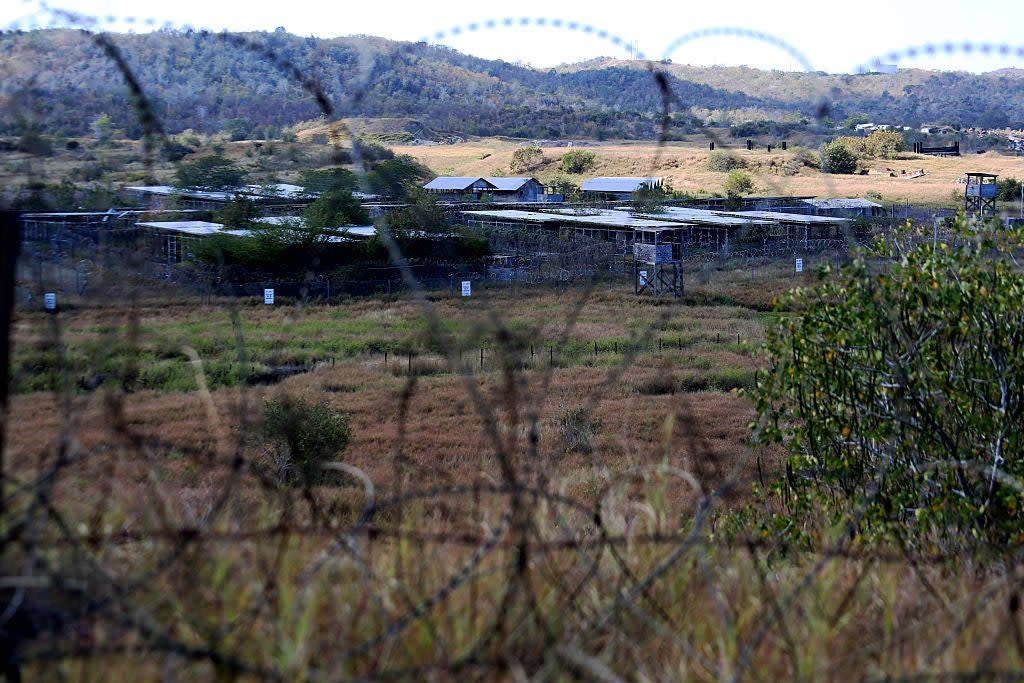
(684, 164)
(466, 536)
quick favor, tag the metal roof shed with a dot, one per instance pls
(618, 185)
(458, 184)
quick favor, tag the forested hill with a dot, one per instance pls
(62, 80)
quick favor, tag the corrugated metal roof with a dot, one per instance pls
(605, 218)
(454, 183)
(299, 223)
(189, 227)
(275, 190)
(705, 217)
(842, 203)
(615, 218)
(795, 218)
(516, 214)
(506, 184)
(618, 184)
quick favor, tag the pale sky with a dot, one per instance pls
(834, 37)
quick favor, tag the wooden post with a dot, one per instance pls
(481, 356)
(410, 361)
(551, 355)
(595, 347)
(385, 356)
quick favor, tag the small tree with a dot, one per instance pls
(422, 213)
(885, 144)
(649, 200)
(304, 437)
(334, 210)
(835, 157)
(238, 213)
(900, 392)
(237, 129)
(578, 429)
(397, 177)
(210, 173)
(738, 183)
(323, 180)
(723, 162)
(526, 159)
(565, 187)
(32, 142)
(578, 161)
(102, 128)
(1008, 190)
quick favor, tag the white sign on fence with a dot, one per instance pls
(799, 265)
(467, 288)
(50, 301)
(643, 278)
(268, 297)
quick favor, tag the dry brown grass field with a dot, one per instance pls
(198, 566)
(644, 418)
(684, 164)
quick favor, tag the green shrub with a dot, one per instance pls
(900, 393)
(210, 173)
(526, 159)
(578, 161)
(578, 428)
(885, 144)
(1008, 190)
(738, 183)
(304, 437)
(836, 157)
(660, 384)
(723, 162)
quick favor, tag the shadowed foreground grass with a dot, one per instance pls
(530, 519)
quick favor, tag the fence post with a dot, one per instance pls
(481, 356)
(410, 362)
(551, 355)
(385, 356)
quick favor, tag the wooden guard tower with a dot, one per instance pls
(980, 194)
(656, 270)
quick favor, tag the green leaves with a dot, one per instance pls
(911, 358)
(210, 173)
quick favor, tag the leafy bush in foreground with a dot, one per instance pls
(901, 392)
